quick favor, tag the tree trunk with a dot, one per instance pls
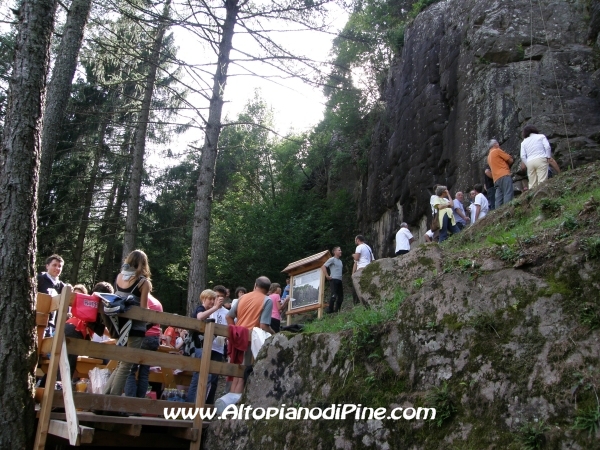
(110, 204)
(133, 202)
(205, 185)
(59, 88)
(110, 234)
(19, 164)
(87, 206)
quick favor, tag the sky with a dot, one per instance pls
(297, 106)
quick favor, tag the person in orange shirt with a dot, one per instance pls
(170, 336)
(252, 310)
(500, 162)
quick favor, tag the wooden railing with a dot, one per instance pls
(66, 425)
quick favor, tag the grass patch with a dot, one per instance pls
(358, 318)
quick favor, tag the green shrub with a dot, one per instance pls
(591, 246)
(570, 223)
(589, 314)
(484, 322)
(588, 420)
(532, 435)
(440, 399)
(550, 205)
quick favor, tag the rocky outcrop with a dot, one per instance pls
(472, 70)
(504, 359)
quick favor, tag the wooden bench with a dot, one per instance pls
(67, 425)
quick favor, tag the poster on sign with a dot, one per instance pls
(306, 289)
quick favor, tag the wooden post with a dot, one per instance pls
(57, 343)
(209, 332)
(321, 295)
(67, 391)
(289, 316)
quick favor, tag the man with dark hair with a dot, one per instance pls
(254, 309)
(363, 255)
(490, 190)
(500, 163)
(335, 279)
(103, 287)
(48, 283)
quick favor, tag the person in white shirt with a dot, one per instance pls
(480, 206)
(429, 236)
(403, 239)
(535, 154)
(363, 255)
(218, 345)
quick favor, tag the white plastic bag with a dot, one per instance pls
(98, 379)
(226, 400)
(259, 336)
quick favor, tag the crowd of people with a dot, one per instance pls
(262, 307)
(451, 215)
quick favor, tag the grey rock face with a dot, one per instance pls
(470, 71)
(506, 356)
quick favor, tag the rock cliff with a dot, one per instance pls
(470, 71)
(498, 329)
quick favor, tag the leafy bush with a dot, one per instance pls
(420, 5)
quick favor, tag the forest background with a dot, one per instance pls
(277, 198)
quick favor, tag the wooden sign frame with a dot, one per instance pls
(299, 268)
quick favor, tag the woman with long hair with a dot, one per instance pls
(134, 280)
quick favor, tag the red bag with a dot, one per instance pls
(85, 307)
